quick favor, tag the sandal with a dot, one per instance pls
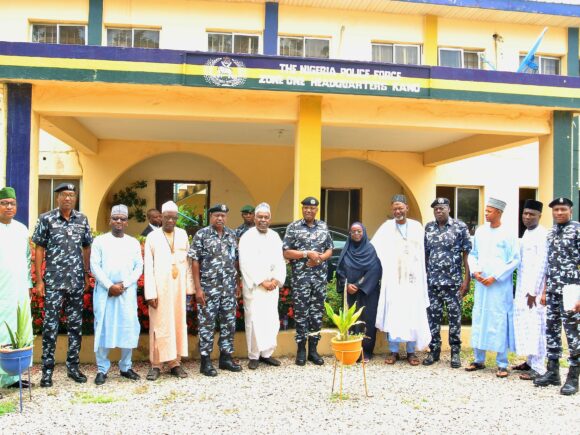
(502, 373)
(474, 366)
(392, 358)
(412, 359)
(523, 367)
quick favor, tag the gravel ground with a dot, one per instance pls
(291, 399)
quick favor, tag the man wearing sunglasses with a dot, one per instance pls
(117, 264)
(64, 235)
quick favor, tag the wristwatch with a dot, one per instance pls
(304, 254)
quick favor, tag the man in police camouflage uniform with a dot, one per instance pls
(562, 272)
(65, 236)
(214, 255)
(447, 246)
(308, 246)
(248, 217)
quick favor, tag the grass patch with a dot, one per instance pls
(467, 355)
(7, 407)
(564, 363)
(141, 389)
(335, 397)
(171, 397)
(414, 403)
(205, 398)
(229, 411)
(89, 398)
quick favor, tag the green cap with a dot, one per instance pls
(7, 192)
(247, 209)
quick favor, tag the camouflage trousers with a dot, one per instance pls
(555, 318)
(448, 296)
(308, 294)
(73, 309)
(220, 304)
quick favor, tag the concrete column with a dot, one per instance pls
(271, 29)
(559, 164)
(22, 149)
(430, 43)
(3, 112)
(95, 27)
(573, 52)
(307, 151)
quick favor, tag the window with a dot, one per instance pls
(192, 195)
(460, 58)
(233, 43)
(304, 47)
(340, 207)
(397, 53)
(59, 34)
(545, 65)
(138, 38)
(464, 204)
(47, 196)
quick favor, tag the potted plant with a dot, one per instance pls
(347, 346)
(16, 356)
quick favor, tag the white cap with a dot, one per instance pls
(169, 206)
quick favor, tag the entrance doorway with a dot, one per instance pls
(191, 196)
(340, 207)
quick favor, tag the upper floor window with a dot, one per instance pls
(397, 53)
(304, 47)
(59, 33)
(546, 64)
(138, 38)
(460, 58)
(233, 43)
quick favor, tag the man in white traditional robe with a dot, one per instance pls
(529, 312)
(15, 279)
(168, 281)
(403, 302)
(117, 265)
(494, 257)
(263, 271)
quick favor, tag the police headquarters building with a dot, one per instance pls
(248, 101)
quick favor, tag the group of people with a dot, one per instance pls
(403, 277)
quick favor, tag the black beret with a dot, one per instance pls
(532, 204)
(561, 201)
(440, 201)
(65, 186)
(219, 208)
(310, 200)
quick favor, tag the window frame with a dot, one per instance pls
(540, 58)
(304, 39)
(233, 35)
(462, 57)
(455, 202)
(396, 44)
(58, 26)
(132, 29)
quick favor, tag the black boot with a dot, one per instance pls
(432, 358)
(301, 354)
(46, 379)
(227, 363)
(551, 377)
(313, 353)
(207, 367)
(455, 358)
(571, 385)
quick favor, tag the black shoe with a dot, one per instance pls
(270, 361)
(24, 384)
(100, 379)
(253, 364)
(178, 372)
(207, 367)
(431, 359)
(570, 387)
(301, 354)
(313, 353)
(76, 375)
(46, 379)
(455, 360)
(552, 375)
(227, 363)
(130, 374)
(153, 374)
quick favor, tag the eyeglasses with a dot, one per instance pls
(356, 232)
(8, 203)
(121, 219)
(68, 195)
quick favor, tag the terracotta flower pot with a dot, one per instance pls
(347, 352)
(14, 362)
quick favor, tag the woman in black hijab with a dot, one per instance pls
(361, 268)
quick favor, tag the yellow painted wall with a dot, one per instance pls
(500, 174)
(56, 158)
(3, 104)
(16, 16)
